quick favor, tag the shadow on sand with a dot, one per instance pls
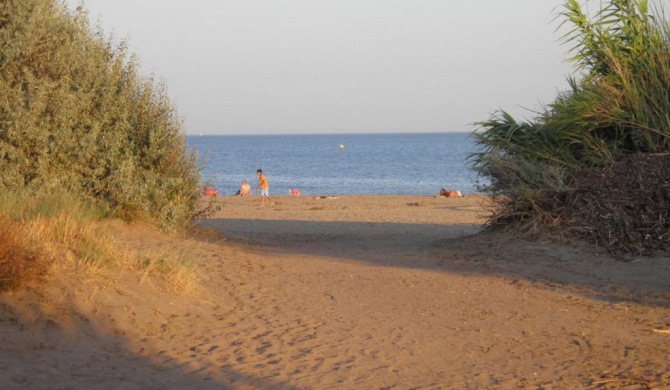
(461, 249)
(45, 346)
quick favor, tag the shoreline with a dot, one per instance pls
(407, 164)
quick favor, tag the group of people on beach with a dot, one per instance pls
(263, 185)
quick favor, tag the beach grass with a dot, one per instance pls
(44, 236)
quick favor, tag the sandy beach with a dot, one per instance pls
(349, 292)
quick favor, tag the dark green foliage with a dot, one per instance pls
(618, 106)
(77, 116)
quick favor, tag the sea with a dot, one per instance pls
(339, 164)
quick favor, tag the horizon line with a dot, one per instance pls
(367, 133)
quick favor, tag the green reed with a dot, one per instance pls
(618, 105)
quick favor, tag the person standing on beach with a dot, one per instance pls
(264, 186)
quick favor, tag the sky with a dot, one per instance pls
(343, 66)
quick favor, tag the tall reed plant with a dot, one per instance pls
(617, 106)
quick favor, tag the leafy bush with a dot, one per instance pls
(617, 109)
(77, 116)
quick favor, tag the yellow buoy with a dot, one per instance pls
(341, 146)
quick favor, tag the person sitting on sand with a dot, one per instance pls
(450, 194)
(245, 189)
(294, 192)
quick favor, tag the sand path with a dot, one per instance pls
(382, 293)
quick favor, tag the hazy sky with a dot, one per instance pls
(343, 66)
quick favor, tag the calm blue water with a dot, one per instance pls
(380, 164)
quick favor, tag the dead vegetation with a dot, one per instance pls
(18, 261)
(624, 208)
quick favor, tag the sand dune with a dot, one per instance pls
(354, 292)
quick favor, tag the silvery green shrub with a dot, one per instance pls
(77, 115)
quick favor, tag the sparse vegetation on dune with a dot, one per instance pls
(545, 173)
(40, 234)
(18, 261)
(82, 129)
